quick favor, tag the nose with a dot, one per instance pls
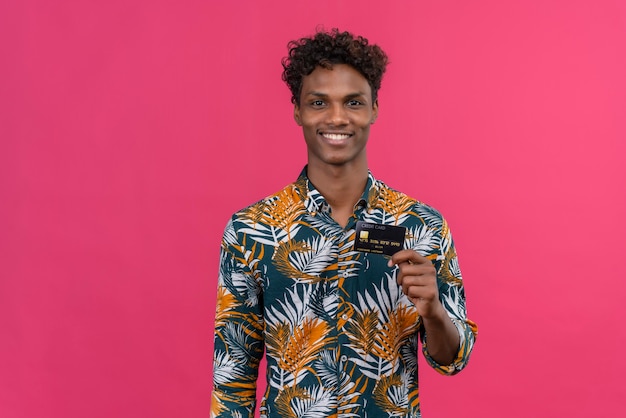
(337, 116)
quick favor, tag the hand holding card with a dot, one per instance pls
(418, 278)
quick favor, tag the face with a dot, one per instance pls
(335, 112)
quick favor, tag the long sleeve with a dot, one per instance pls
(238, 332)
(452, 296)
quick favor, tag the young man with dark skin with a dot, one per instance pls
(336, 110)
(339, 326)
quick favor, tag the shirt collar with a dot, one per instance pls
(315, 202)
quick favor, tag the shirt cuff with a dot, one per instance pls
(467, 335)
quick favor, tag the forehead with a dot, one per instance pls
(340, 80)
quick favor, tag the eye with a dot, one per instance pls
(317, 103)
(354, 102)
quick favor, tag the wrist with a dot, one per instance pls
(436, 314)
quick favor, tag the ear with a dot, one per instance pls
(296, 115)
(374, 112)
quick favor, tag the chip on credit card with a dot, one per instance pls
(379, 238)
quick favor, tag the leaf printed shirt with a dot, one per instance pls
(340, 337)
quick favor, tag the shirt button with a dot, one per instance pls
(343, 274)
(343, 359)
(344, 317)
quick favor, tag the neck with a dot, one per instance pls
(341, 186)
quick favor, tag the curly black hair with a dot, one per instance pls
(327, 48)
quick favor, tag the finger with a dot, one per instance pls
(406, 270)
(426, 293)
(407, 256)
(417, 280)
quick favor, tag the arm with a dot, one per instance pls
(418, 279)
(437, 292)
(238, 338)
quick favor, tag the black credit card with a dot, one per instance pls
(378, 238)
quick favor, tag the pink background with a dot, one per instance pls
(131, 130)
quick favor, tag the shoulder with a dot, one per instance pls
(288, 196)
(396, 201)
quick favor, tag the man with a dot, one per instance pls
(339, 320)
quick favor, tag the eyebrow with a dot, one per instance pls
(324, 95)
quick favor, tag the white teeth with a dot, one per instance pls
(336, 137)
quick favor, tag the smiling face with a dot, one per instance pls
(335, 112)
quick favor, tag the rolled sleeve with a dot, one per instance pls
(452, 297)
(467, 336)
